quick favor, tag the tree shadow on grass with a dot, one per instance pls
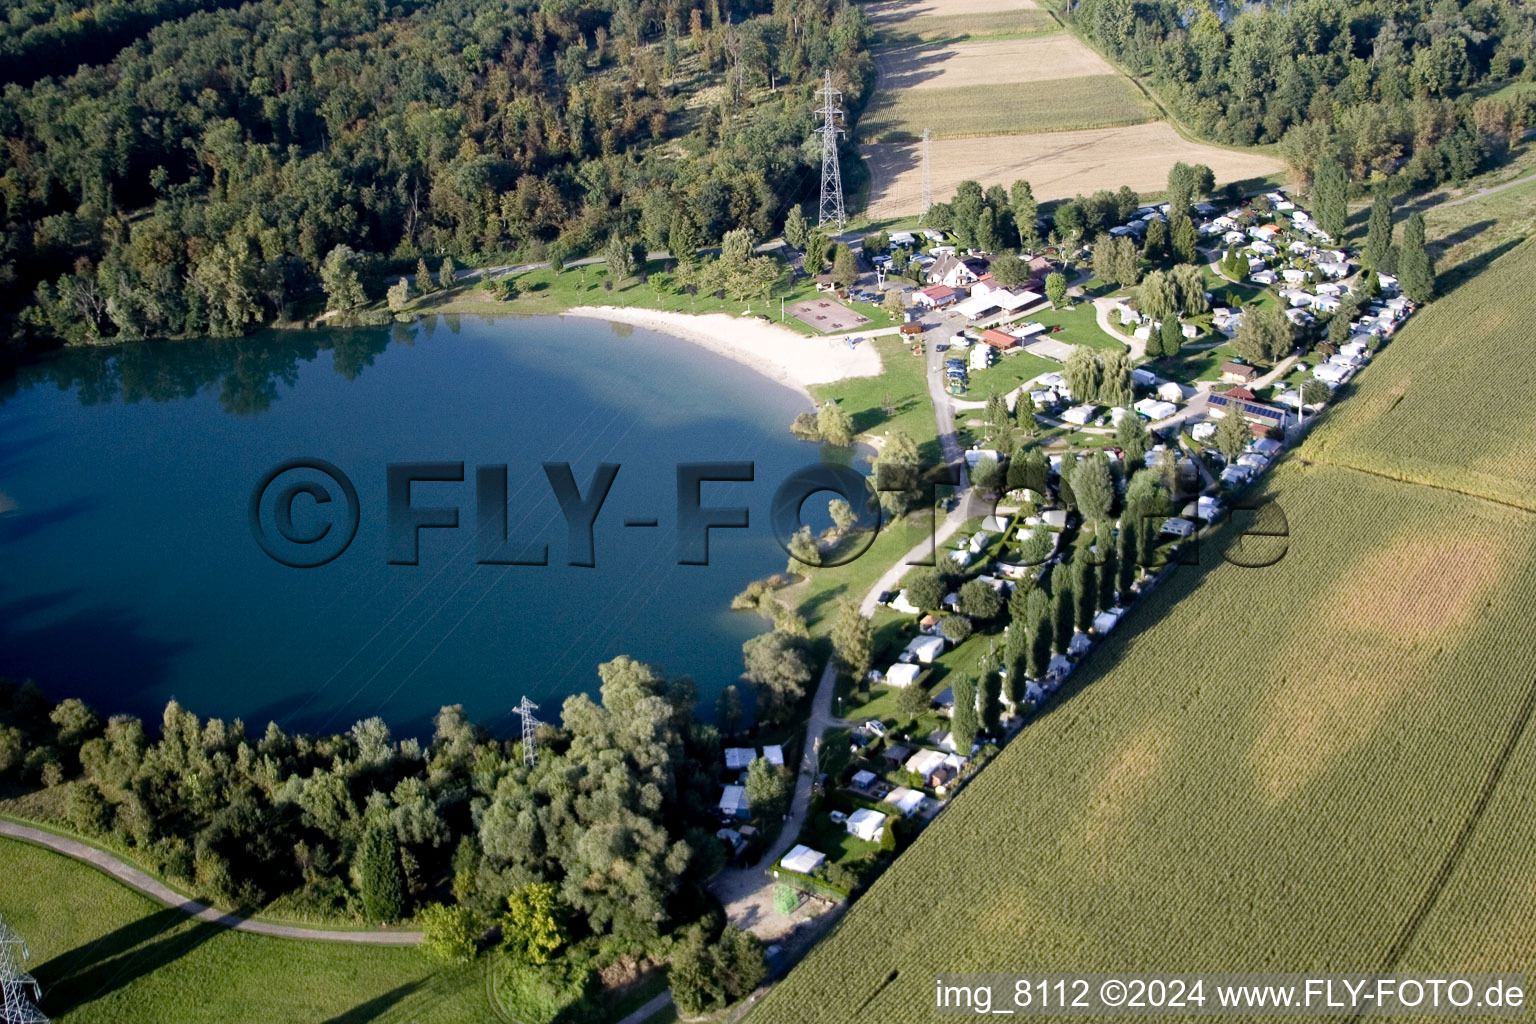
(119, 958)
(374, 1008)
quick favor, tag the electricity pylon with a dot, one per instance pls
(19, 991)
(530, 724)
(831, 173)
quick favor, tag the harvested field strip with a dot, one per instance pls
(990, 108)
(1057, 164)
(1425, 411)
(963, 26)
(993, 61)
(1271, 779)
(884, 11)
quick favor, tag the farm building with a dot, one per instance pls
(1258, 412)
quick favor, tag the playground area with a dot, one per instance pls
(826, 315)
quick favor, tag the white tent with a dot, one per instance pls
(802, 860)
(925, 763)
(866, 824)
(905, 800)
(902, 674)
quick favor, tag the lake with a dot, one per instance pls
(130, 573)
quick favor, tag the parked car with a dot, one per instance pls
(875, 726)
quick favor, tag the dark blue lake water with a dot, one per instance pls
(129, 573)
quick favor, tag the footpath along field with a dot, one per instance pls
(1326, 764)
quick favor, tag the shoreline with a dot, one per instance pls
(794, 360)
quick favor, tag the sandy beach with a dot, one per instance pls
(786, 356)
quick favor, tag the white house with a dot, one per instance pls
(802, 860)
(1331, 268)
(866, 824)
(1295, 275)
(1265, 277)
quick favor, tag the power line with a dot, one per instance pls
(831, 208)
(927, 180)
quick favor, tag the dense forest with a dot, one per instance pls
(616, 818)
(195, 182)
(1388, 87)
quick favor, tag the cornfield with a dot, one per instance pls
(1320, 765)
(1451, 400)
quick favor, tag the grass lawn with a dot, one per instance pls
(902, 386)
(545, 292)
(104, 953)
(947, 27)
(1078, 326)
(817, 598)
(1006, 374)
(1194, 364)
(1089, 101)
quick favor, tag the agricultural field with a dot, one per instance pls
(991, 108)
(106, 954)
(963, 65)
(1058, 165)
(1425, 412)
(957, 19)
(1254, 783)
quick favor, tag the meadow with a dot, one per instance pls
(106, 954)
(950, 19)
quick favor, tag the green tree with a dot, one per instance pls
(338, 276)
(845, 269)
(853, 640)
(1415, 269)
(911, 700)
(1170, 338)
(834, 424)
(1155, 248)
(1108, 572)
(964, 722)
(804, 552)
(796, 229)
(926, 589)
(729, 713)
(1081, 372)
(618, 253)
(1063, 610)
(1330, 197)
(1094, 488)
(896, 464)
(1157, 297)
(449, 933)
(1125, 556)
(1376, 254)
(779, 665)
(1184, 239)
(534, 925)
(1133, 438)
(1056, 289)
(895, 303)
(376, 866)
(1085, 587)
(1233, 434)
(989, 695)
(844, 518)
(398, 295)
(1026, 214)
(1040, 643)
(955, 628)
(684, 239)
(766, 788)
(447, 274)
(424, 285)
(979, 600)
(1315, 392)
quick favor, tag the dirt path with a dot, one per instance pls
(162, 893)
